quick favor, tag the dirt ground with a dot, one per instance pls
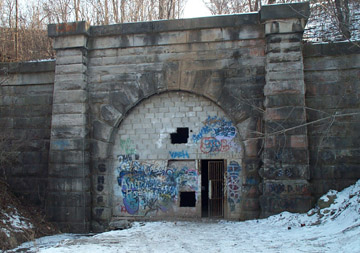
(19, 223)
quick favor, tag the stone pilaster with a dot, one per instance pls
(285, 170)
(69, 200)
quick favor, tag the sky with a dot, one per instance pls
(196, 8)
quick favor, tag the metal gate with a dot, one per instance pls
(216, 188)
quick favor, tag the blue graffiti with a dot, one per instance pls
(179, 154)
(225, 131)
(216, 127)
(234, 184)
(204, 130)
(149, 186)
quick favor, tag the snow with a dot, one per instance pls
(332, 229)
(13, 222)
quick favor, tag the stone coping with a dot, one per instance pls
(27, 67)
(331, 49)
(267, 12)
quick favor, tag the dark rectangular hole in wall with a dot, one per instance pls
(181, 135)
(187, 199)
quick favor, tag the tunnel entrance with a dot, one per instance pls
(212, 188)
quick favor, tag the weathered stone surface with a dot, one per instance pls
(285, 172)
(285, 11)
(110, 114)
(251, 66)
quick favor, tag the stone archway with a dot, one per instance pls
(157, 151)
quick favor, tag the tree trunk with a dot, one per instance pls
(343, 17)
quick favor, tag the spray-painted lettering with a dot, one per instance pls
(179, 154)
(234, 184)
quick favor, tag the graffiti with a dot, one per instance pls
(150, 187)
(204, 130)
(102, 167)
(100, 199)
(213, 145)
(217, 135)
(179, 154)
(123, 209)
(99, 212)
(280, 188)
(234, 184)
(210, 145)
(225, 131)
(101, 182)
(128, 146)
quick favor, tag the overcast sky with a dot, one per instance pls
(195, 8)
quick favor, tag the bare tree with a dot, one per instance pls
(336, 13)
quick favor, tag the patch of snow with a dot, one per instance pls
(13, 222)
(333, 229)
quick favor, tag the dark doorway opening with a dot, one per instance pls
(212, 188)
(187, 199)
(181, 135)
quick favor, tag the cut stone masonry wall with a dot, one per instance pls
(250, 70)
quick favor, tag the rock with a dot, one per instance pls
(119, 224)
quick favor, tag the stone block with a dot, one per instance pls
(30, 78)
(343, 48)
(285, 172)
(59, 170)
(286, 187)
(69, 144)
(65, 82)
(69, 120)
(70, 108)
(291, 25)
(110, 115)
(288, 141)
(250, 204)
(101, 131)
(71, 157)
(252, 147)
(31, 122)
(101, 200)
(74, 41)
(70, 96)
(285, 11)
(285, 77)
(69, 215)
(279, 99)
(70, 69)
(69, 131)
(286, 156)
(69, 185)
(286, 113)
(343, 171)
(99, 149)
(76, 58)
(333, 62)
(250, 191)
(101, 213)
(271, 205)
(66, 199)
(284, 66)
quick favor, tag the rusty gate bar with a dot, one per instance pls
(216, 186)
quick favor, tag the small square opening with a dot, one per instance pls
(187, 199)
(181, 135)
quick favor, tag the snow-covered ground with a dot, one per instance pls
(331, 229)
